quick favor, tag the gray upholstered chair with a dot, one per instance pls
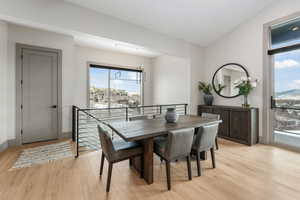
(212, 116)
(159, 116)
(116, 151)
(177, 144)
(204, 140)
(139, 117)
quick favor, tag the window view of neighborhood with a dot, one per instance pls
(287, 91)
(115, 88)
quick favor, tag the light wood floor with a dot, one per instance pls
(255, 173)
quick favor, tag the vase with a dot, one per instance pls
(171, 115)
(208, 99)
(246, 104)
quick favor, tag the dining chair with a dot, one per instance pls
(158, 116)
(176, 145)
(212, 116)
(116, 151)
(139, 117)
(204, 140)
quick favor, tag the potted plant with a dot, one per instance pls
(245, 86)
(206, 88)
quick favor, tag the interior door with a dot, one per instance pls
(39, 95)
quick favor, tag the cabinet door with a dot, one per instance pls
(224, 126)
(239, 125)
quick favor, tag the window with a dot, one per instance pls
(114, 87)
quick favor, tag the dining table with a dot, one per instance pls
(144, 131)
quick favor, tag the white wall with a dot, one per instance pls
(65, 17)
(83, 55)
(4, 92)
(245, 46)
(171, 80)
(51, 15)
(197, 73)
(20, 34)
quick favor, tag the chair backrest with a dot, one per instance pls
(141, 117)
(205, 138)
(106, 143)
(210, 116)
(159, 116)
(179, 143)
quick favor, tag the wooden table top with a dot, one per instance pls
(149, 128)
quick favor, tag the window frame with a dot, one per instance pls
(113, 67)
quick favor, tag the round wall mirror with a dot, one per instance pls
(225, 77)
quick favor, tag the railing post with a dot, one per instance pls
(126, 113)
(185, 109)
(73, 123)
(77, 133)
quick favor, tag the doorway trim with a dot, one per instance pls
(268, 78)
(19, 48)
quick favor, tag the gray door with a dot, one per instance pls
(39, 95)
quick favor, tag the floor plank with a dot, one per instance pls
(242, 173)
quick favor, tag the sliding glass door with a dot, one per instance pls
(114, 87)
(287, 92)
(285, 54)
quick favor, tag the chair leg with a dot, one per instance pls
(188, 161)
(101, 164)
(109, 176)
(212, 151)
(168, 174)
(130, 162)
(198, 163)
(217, 144)
(142, 166)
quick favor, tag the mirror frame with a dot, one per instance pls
(241, 66)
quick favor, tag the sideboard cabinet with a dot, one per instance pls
(239, 124)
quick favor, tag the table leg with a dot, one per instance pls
(148, 160)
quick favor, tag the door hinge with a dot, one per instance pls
(21, 82)
(21, 106)
(21, 131)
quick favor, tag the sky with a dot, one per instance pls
(99, 79)
(287, 71)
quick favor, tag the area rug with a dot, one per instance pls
(43, 154)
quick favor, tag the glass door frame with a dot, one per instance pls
(268, 113)
(109, 67)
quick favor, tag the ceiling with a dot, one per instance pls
(197, 21)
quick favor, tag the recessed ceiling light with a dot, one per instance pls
(295, 28)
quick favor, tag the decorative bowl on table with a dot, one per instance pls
(171, 115)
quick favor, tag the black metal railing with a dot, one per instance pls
(85, 120)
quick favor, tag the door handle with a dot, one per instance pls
(273, 103)
(54, 106)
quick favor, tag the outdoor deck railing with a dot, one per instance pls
(85, 121)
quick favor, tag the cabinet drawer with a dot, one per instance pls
(239, 125)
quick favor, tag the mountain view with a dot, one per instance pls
(288, 94)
